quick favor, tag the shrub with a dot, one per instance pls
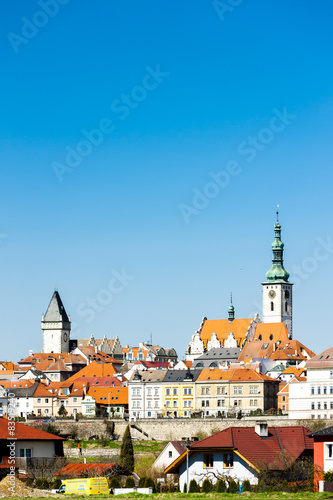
(194, 488)
(328, 476)
(185, 488)
(206, 486)
(130, 483)
(142, 481)
(233, 486)
(247, 485)
(114, 482)
(39, 482)
(221, 487)
(285, 485)
(56, 483)
(149, 483)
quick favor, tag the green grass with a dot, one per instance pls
(202, 496)
(138, 446)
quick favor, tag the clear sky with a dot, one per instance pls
(144, 148)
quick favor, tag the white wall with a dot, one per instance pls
(39, 448)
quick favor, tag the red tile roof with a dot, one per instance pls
(222, 328)
(293, 440)
(25, 432)
(73, 469)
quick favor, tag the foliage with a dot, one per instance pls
(56, 483)
(206, 486)
(149, 483)
(114, 483)
(142, 481)
(233, 486)
(193, 488)
(201, 435)
(52, 429)
(221, 486)
(185, 488)
(287, 470)
(130, 483)
(328, 476)
(42, 484)
(143, 466)
(247, 485)
(62, 411)
(126, 458)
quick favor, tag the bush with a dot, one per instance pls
(39, 483)
(142, 481)
(56, 483)
(194, 488)
(130, 483)
(206, 486)
(233, 486)
(185, 488)
(114, 483)
(149, 483)
(221, 487)
(328, 476)
(247, 485)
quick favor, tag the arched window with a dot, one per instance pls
(286, 294)
(286, 306)
(272, 306)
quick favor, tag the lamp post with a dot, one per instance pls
(187, 444)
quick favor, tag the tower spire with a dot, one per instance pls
(231, 310)
(277, 273)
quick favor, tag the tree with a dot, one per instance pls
(62, 411)
(193, 488)
(130, 483)
(126, 458)
(206, 486)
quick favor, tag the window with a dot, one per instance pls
(272, 306)
(331, 405)
(174, 404)
(149, 414)
(238, 389)
(208, 460)
(205, 402)
(148, 404)
(39, 401)
(187, 391)
(286, 306)
(318, 389)
(325, 406)
(26, 452)
(283, 407)
(325, 390)
(156, 392)
(254, 389)
(167, 404)
(74, 410)
(205, 390)
(46, 400)
(156, 404)
(174, 391)
(312, 406)
(74, 400)
(286, 294)
(189, 403)
(221, 390)
(319, 405)
(228, 460)
(283, 399)
(149, 391)
(329, 450)
(167, 392)
(312, 390)
(220, 402)
(170, 454)
(331, 389)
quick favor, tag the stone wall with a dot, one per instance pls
(164, 429)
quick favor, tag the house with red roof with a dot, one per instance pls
(21, 443)
(169, 454)
(238, 452)
(322, 451)
(92, 470)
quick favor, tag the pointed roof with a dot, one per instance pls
(277, 273)
(56, 311)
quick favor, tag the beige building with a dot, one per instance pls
(219, 392)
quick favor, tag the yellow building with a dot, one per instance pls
(178, 393)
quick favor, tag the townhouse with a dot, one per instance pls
(219, 392)
(178, 392)
(145, 394)
(109, 401)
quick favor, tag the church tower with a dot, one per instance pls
(277, 290)
(56, 327)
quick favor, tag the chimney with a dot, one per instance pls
(261, 428)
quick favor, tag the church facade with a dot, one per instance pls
(277, 309)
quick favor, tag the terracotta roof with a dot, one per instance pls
(19, 383)
(7, 365)
(153, 364)
(244, 440)
(101, 381)
(42, 356)
(233, 375)
(73, 469)
(90, 352)
(278, 331)
(222, 328)
(95, 369)
(25, 432)
(180, 446)
(109, 395)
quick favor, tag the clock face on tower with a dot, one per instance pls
(65, 337)
(272, 294)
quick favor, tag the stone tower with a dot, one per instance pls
(277, 290)
(56, 327)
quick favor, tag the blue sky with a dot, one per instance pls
(173, 95)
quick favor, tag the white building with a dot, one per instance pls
(314, 398)
(145, 394)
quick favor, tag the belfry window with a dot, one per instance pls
(286, 306)
(272, 306)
